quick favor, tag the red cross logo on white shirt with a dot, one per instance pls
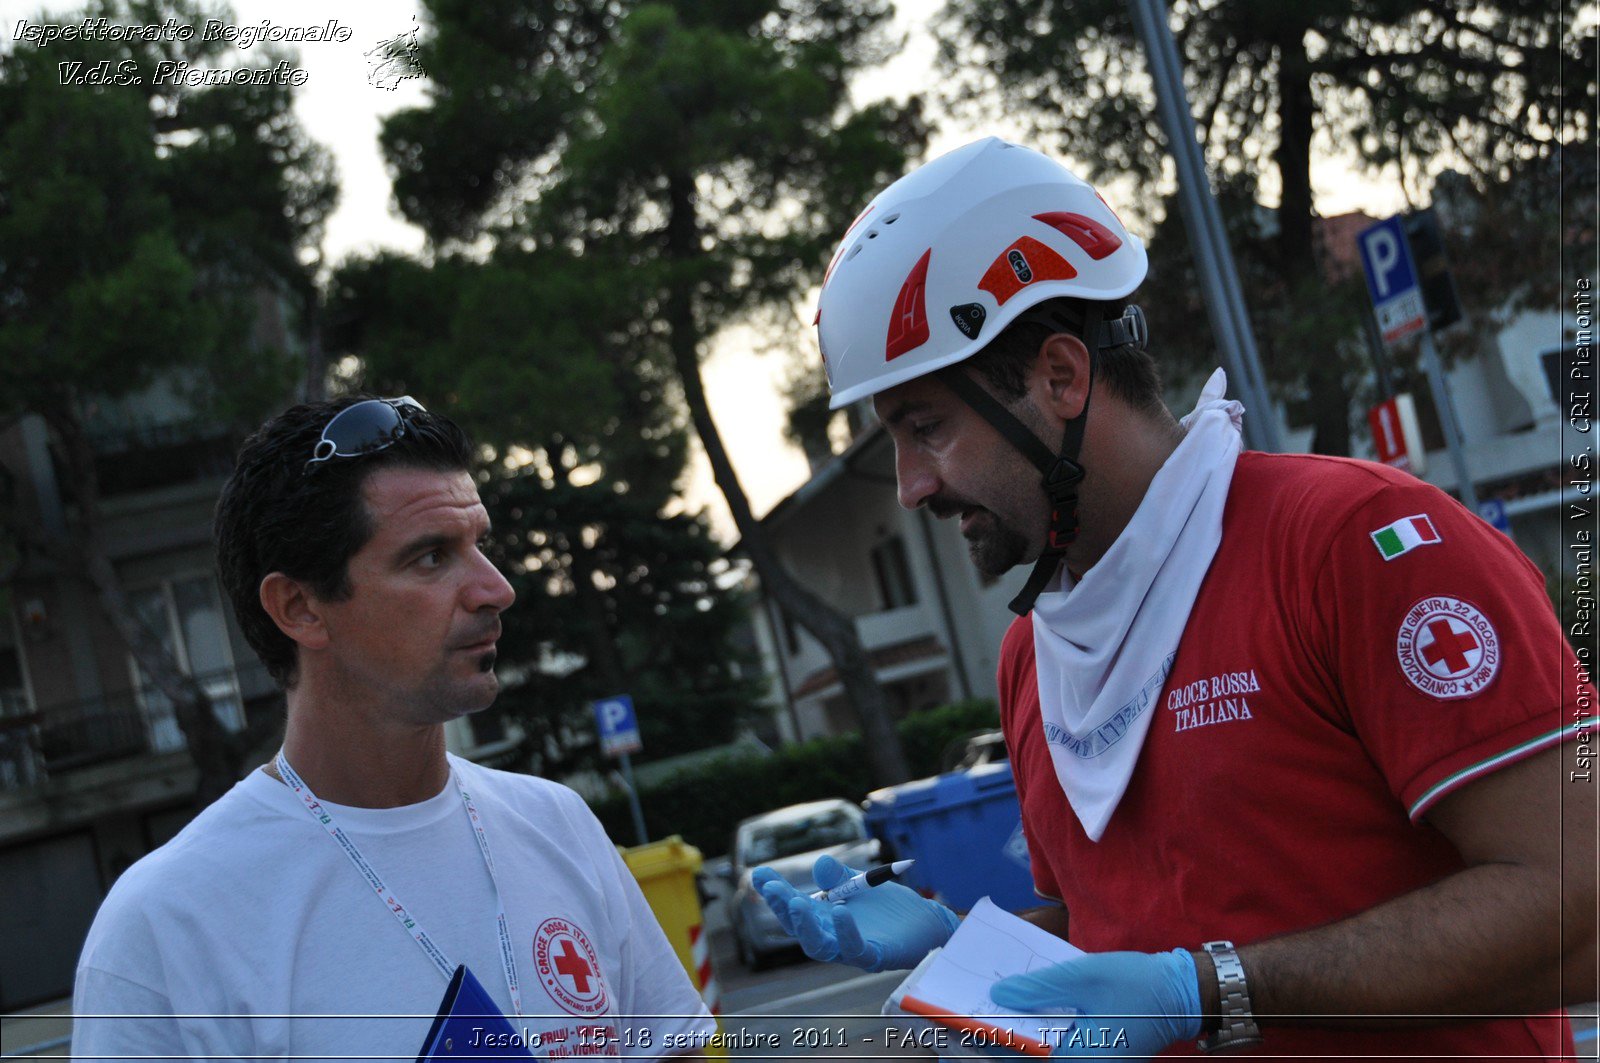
(569, 967)
(574, 966)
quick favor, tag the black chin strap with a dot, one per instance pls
(1060, 470)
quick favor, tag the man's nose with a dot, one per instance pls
(491, 589)
(914, 477)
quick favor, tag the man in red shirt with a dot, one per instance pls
(1291, 734)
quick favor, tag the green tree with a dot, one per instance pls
(706, 152)
(1287, 328)
(1408, 83)
(583, 453)
(138, 225)
(669, 625)
(1502, 240)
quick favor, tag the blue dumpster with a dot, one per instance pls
(964, 831)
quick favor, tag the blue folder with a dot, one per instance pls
(470, 1026)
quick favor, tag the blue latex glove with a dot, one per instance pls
(880, 929)
(1152, 1000)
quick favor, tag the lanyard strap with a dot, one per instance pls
(435, 955)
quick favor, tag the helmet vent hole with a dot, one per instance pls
(891, 219)
(854, 251)
(872, 234)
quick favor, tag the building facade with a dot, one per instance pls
(929, 624)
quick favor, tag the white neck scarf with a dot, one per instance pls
(1104, 646)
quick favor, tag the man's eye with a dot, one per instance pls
(431, 559)
(924, 430)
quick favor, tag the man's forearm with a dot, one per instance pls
(1490, 940)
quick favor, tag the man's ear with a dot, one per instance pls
(294, 610)
(1059, 380)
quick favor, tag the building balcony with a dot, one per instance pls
(144, 457)
(897, 641)
(72, 736)
(894, 626)
(805, 656)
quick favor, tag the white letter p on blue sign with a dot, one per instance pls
(1391, 279)
(1385, 252)
(618, 725)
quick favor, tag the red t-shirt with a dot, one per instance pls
(1321, 700)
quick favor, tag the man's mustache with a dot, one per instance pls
(942, 506)
(490, 632)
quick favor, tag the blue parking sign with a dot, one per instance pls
(1493, 510)
(1392, 279)
(618, 725)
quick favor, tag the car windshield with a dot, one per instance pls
(790, 837)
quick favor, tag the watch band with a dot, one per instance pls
(1237, 1027)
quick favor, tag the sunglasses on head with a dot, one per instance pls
(364, 428)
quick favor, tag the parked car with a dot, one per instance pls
(789, 840)
(978, 748)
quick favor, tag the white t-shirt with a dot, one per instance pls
(252, 934)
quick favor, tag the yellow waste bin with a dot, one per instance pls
(665, 871)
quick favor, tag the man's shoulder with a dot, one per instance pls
(1015, 674)
(201, 866)
(1318, 478)
(1018, 639)
(517, 787)
(1312, 496)
(546, 812)
(219, 836)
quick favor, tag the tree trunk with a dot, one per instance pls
(1325, 378)
(834, 630)
(218, 758)
(1330, 408)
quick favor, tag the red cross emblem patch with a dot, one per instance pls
(569, 968)
(1447, 648)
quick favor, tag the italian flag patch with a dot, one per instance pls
(1404, 536)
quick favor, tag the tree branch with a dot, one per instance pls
(1222, 87)
(1452, 19)
(1461, 150)
(1358, 62)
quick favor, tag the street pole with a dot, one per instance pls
(1440, 387)
(1219, 279)
(1380, 356)
(633, 799)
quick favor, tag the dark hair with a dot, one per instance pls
(276, 515)
(1127, 371)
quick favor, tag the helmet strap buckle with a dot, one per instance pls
(1061, 538)
(1061, 487)
(1061, 483)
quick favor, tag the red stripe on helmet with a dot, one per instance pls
(1008, 274)
(1087, 233)
(908, 324)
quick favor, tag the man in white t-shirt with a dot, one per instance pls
(320, 908)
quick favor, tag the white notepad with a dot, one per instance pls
(950, 987)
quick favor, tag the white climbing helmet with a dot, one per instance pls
(953, 252)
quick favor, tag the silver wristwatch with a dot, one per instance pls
(1238, 1028)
